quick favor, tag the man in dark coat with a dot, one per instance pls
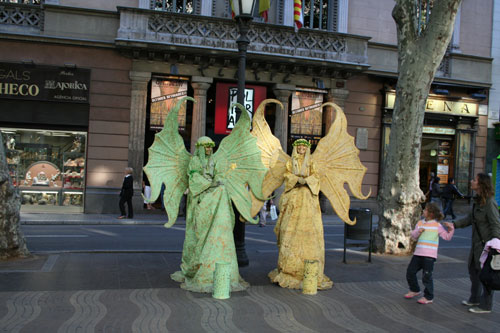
(126, 194)
(449, 193)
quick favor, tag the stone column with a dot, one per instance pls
(137, 125)
(200, 86)
(337, 96)
(282, 93)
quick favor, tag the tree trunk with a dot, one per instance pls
(419, 56)
(12, 243)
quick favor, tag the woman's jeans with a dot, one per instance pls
(427, 265)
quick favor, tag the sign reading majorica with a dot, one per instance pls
(457, 108)
(44, 83)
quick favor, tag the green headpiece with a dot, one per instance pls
(205, 141)
(301, 142)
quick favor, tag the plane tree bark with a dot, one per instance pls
(12, 242)
(421, 48)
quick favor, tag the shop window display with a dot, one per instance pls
(48, 167)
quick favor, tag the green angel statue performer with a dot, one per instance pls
(214, 181)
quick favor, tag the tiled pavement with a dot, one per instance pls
(132, 292)
(119, 292)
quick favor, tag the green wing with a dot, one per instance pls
(239, 165)
(168, 163)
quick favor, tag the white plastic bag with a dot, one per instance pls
(273, 213)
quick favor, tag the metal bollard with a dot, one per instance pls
(222, 281)
(310, 282)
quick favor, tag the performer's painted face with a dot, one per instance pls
(301, 149)
(208, 151)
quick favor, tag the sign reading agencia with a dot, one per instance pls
(44, 83)
(434, 105)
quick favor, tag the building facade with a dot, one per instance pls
(136, 58)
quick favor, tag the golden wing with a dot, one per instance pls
(337, 162)
(272, 155)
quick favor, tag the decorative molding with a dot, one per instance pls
(206, 7)
(288, 13)
(455, 39)
(343, 16)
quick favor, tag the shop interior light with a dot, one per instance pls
(441, 91)
(478, 95)
(174, 70)
(51, 192)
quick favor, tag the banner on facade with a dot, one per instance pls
(226, 95)
(307, 117)
(44, 83)
(165, 92)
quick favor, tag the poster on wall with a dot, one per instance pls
(226, 95)
(165, 92)
(307, 117)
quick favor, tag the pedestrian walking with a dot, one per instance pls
(263, 214)
(449, 193)
(436, 193)
(126, 194)
(485, 222)
(146, 187)
(427, 233)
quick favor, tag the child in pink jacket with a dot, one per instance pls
(427, 233)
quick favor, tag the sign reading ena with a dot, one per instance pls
(44, 83)
(434, 105)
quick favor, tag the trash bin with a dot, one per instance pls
(361, 231)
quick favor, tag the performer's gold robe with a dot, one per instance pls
(299, 231)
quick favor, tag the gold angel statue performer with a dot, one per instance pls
(299, 229)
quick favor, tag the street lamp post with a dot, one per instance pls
(243, 11)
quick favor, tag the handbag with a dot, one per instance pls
(490, 273)
(273, 213)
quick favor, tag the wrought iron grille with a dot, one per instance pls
(30, 15)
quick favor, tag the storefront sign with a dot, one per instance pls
(307, 115)
(165, 92)
(438, 130)
(44, 83)
(226, 95)
(434, 105)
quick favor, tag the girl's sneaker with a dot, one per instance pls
(424, 300)
(412, 294)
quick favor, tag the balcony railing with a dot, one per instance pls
(202, 32)
(20, 14)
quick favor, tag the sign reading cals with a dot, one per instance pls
(44, 83)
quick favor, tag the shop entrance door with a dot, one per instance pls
(435, 156)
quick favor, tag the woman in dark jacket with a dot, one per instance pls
(485, 226)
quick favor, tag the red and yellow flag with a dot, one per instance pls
(297, 13)
(264, 6)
